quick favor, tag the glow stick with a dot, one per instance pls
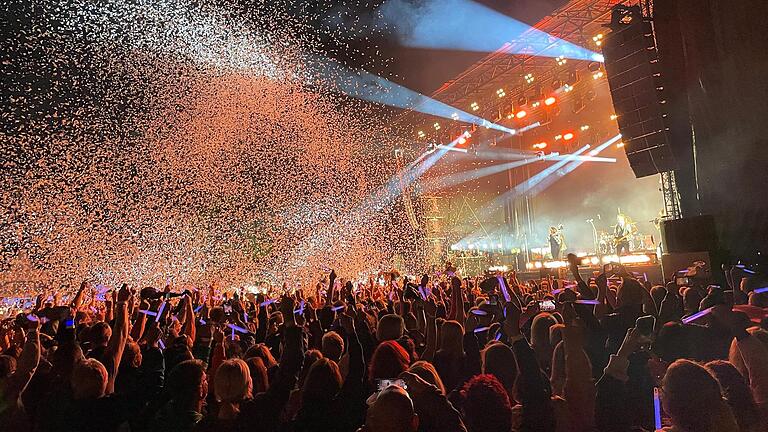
(504, 291)
(588, 302)
(148, 312)
(558, 291)
(238, 328)
(160, 309)
(761, 290)
(267, 303)
(32, 318)
(300, 310)
(748, 271)
(197, 309)
(202, 321)
(479, 312)
(697, 315)
(656, 408)
(481, 329)
(161, 343)
(421, 291)
(245, 315)
(498, 336)
(337, 308)
(233, 334)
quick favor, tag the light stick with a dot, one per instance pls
(697, 315)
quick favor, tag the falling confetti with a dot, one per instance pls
(144, 141)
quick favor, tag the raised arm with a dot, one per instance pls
(579, 387)
(27, 364)
(116, 344)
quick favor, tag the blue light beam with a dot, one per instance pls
(470, 26)
(364, 85)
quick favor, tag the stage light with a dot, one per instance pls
(620, 144)
(474, 106)
(558, 137)
(520, 114)
(560, 60)
(470, 246)
(536, 104)
(568, 136)
(537, 264)
(598, 39)
(436, 126)
(549, 101)
(422, 134)
(500, 93)
(529, 78)
(597, 75)
(455, 116)
(614, 116)
(594, 260)
(510, 116)
(567, 88)
(541, 145)
(584, 127)
(462, 140)
(467, 25)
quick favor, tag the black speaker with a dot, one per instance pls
(631, 63)
(693, 234)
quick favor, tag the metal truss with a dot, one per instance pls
(671, 196)
(575, 22)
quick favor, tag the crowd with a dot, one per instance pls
(442, 354)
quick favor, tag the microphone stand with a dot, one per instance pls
(595, 240)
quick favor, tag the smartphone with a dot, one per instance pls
(381, 384)
(69, 323)
(645, 325)
(546, 305)
(682, 281)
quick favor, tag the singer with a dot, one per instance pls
(556, 241)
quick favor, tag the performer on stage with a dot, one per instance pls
(556, 241)
(621, 234)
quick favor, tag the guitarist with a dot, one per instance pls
(621, 235)
(556, 241)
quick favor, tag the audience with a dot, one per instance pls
(448, 354)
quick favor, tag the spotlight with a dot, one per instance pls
(437, 126)
(614, 116)
(510, 115)
(529, 78)
(560, 60)
(474, 106)
(422, 134)
(520, 114)
(549, 101)
(567, 88)
(597, 75)
(568, 136)
(540, 146)
(500, 93)
(598, 39)
(558, 137)
(455, 116)
(462, 140)
(620, 144)
(536, 104)
(585, 127)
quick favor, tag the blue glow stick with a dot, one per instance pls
(697, 315)
(421, 291)
(238, 328)
(481, 329)
(161, 343)
(761, 290)
(558, 291)
(300, 310)
(337, 308)
(504, 291)
(498, 336)
(233, 334)
(656, 408)
(588, 302)
(245, 315)
(160, 309)
(748, 271)
(267, 303)
(202, 321)
(197, 309)
(479, 312)
(148, 312)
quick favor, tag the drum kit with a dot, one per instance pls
(637, 242)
